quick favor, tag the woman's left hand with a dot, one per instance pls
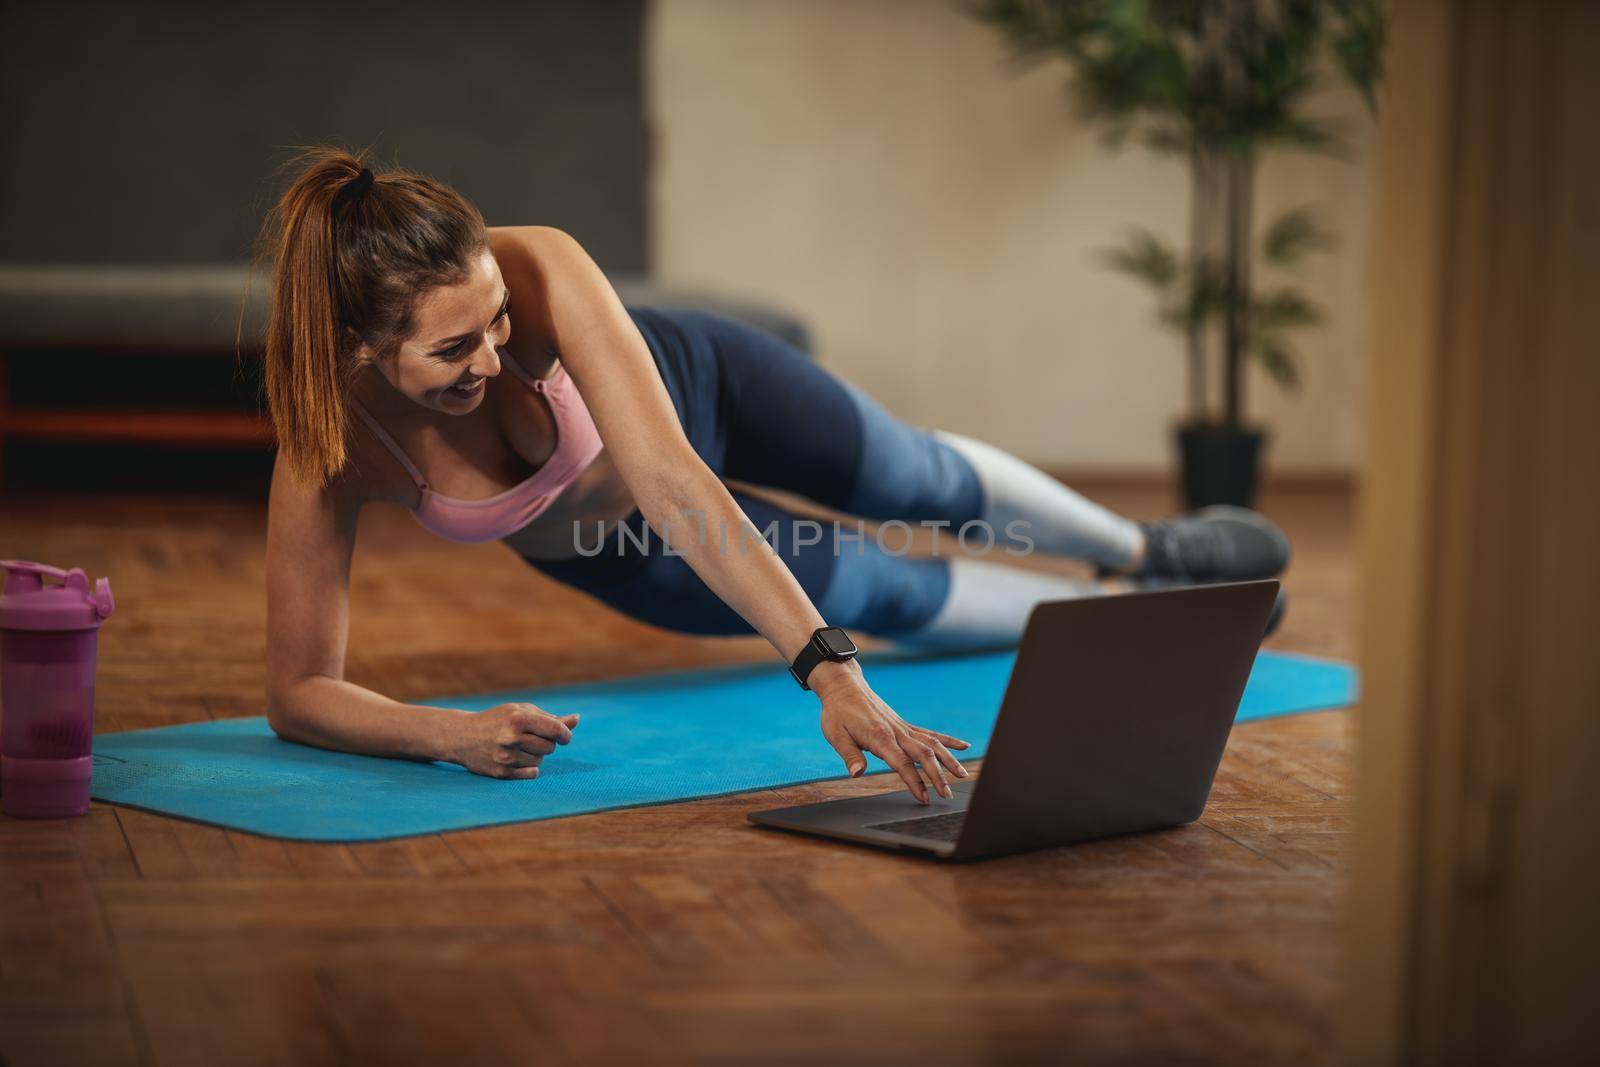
(855, 720)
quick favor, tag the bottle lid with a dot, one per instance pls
(28, 602)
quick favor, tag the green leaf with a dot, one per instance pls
(1307, 134)
(1291, 235)
(1278, 361)
(1146, 257)
(1358, 46)
(1282, 309)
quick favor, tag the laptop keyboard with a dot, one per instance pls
(946, 827)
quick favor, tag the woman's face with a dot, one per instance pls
(451, 353)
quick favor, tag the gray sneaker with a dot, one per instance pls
(1220, 543)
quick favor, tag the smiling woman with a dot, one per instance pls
(392, 301)
(451, 350)
(453, 367)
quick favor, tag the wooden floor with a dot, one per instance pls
(659, 935)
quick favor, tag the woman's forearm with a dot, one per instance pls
(335, 714)
(700, 520)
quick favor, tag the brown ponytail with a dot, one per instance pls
(346, 270)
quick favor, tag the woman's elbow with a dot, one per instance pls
(280, 721)
(281, 712)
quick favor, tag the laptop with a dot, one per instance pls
(1113, 722)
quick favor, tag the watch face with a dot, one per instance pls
(836, 641)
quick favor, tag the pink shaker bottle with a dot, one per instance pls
(48, 638)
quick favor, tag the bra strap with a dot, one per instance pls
(388, 442)
(522, 375)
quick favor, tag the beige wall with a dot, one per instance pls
(873, 166)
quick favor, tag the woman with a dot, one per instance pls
(390, 327)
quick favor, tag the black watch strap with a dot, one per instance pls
(828, 642)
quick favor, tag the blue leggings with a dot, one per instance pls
(759, 411)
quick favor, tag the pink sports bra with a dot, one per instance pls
(577, 444)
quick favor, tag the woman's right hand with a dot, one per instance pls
(511, 740)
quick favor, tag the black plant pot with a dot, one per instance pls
(1220, 465)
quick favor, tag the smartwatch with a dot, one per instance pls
(829, 642)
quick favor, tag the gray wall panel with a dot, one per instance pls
(150, 132)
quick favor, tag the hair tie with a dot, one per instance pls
(355, 187)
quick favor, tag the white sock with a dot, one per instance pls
(989, 603)
(1056, 519)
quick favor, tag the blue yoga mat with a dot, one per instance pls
(646, 740)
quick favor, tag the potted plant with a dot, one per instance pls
(1216, 82)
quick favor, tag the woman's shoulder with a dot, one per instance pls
(528, 239)
(531, 256)
(524, 256)
(370, 473)
(360, 481)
